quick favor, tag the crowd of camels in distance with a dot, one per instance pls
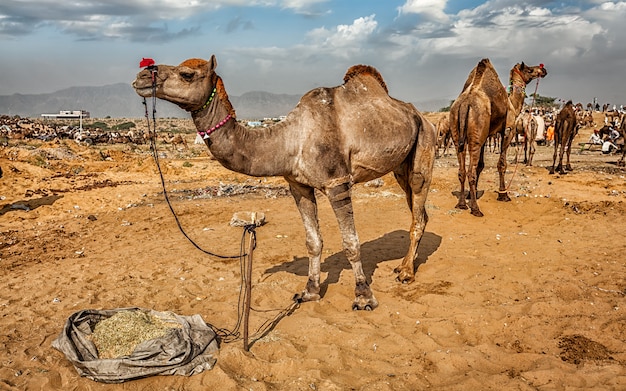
(355, 132)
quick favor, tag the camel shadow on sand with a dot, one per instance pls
(391, 246)
(29, 205)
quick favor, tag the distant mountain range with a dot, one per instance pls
(120, 101)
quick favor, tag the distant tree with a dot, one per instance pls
(544, 101)
(447, 108)
(100, 125)
(124, 126)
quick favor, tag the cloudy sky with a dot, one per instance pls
(423, 48)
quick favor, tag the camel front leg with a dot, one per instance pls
(340, 201)
(416, 185)
(307, 205)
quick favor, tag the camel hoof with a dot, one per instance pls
(361, 305)
(551, 172)
(477, 213)
(403, 276)
(364, 298)
(461, 206)
(504, 197)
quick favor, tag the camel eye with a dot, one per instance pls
(187, 76)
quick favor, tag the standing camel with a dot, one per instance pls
(444, 138)
(334, 138)
(484, 109)
(527, 125)
(565, 129)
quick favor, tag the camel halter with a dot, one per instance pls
(205, 134)
(245, 258)
(517, 87)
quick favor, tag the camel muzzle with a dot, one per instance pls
(146, 81)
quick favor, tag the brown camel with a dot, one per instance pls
(444, 138)
(484, 109)
(334, 138)
(175, 139)
(565, 129)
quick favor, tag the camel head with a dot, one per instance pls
(188, 85)
(528, 73)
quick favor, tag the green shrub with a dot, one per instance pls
(124, 126)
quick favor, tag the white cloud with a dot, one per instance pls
(430, 9)
(344, 36)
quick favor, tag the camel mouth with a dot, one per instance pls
(144, 91)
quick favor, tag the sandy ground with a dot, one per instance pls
(529, 297)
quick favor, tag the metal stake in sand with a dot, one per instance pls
(248, 282)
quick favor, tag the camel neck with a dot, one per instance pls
(517, 90)
(252, 152)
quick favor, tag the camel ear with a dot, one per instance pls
(212, 63)
(522, 66)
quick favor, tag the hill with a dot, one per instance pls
(120, 101)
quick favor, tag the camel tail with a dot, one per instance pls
(462, 120)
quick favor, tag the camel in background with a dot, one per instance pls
(444, 137)
(484, 109)
(531, 128)
(565, 129)
(335, 137)
(175, 140)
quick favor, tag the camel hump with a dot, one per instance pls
(357, 70)
(482, 66)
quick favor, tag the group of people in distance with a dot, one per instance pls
(609, 141)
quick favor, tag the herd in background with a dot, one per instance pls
(17, 128)
(486, 115)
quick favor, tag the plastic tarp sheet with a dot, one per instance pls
(186, 350)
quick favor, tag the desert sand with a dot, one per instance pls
(528, 297)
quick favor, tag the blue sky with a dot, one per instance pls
(423, 48)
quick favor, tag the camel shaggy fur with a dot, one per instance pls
(335, 137)
(484, 109)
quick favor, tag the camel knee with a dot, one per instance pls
(314, 245)
(352, 249)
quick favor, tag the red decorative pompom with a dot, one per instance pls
(146, 62)
(540, 65)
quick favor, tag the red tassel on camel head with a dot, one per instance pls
(146, 62)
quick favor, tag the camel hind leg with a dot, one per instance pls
(462, 175)
(415, 176)
(473, 177)
(568, 166)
